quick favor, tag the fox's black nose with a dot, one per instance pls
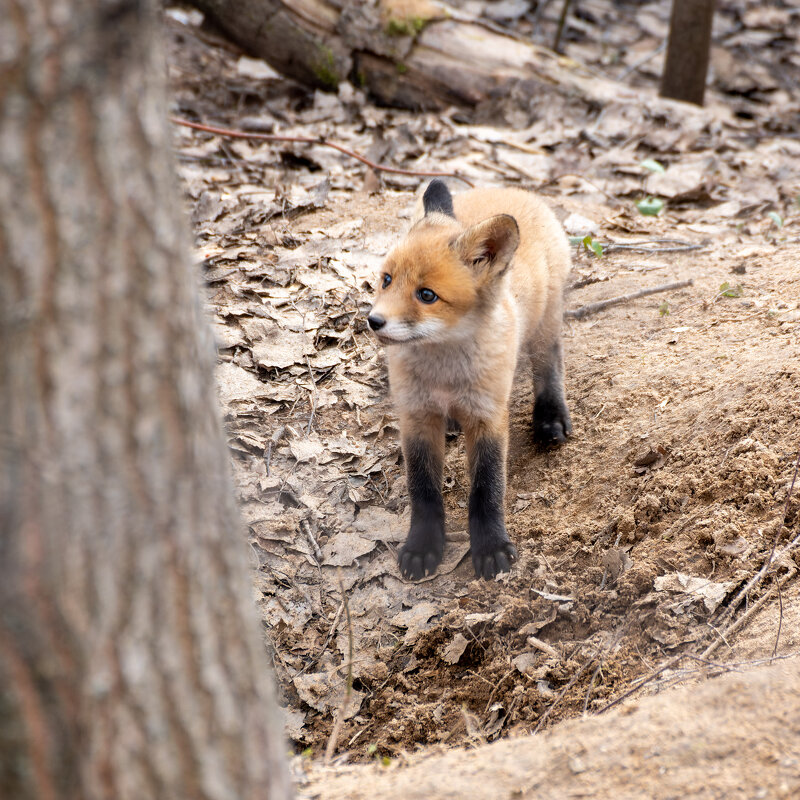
(376, 322)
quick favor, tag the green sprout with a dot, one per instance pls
(726, 290)
(653, 166)
(591, 245)
(650, 206)
(776, 218)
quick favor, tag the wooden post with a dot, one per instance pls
(688, 50)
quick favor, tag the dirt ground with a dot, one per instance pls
(641, 540)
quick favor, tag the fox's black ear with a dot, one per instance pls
(437, 198)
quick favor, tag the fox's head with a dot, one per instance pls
(443, 275)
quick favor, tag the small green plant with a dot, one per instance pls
(726, 290)
(410, 26)
(653, 166)
(401, 68)
(308, 752)
(776, 218)
(663, 309)
(591, 245)
(325, 69)
(650, 206)
(372, 750)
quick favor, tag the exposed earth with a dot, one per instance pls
(641, 541)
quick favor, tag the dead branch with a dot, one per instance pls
(741, 621)
(429, 56)
(570, 683)
(593, 308)
(274, 137)
(780, 621)
(675, 246)
(649, 678)
(337, 725)
(587, 281)
(561, 20)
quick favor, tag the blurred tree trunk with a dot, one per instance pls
(688, 50)
(409, 53)
(131, 664)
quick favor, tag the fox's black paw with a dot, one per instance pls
(490, 558)
(420, 556)
(551, 422)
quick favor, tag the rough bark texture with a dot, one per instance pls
(688, 50)
(408, 53)
(130, 659)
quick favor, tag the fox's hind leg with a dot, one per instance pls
(551, 421)
(423, 450)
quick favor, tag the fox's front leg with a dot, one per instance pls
(492, 550)
(423, 450)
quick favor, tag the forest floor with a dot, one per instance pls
(639, 539)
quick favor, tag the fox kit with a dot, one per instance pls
(477, 281)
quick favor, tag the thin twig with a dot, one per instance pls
(587, 281)
(593, 308)
(494, 690)
(642, 682)
(331, 630)
(572, 681)
(712, 669)
(337, 726)
(677, 246)
(561, 20)
(642, 61)
(273, 137)
(780, 621)
(741, 621)
(591, 686)
(313, 396)
(306, 528)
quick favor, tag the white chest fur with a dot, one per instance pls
(469, 374)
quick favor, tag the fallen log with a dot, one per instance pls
(418, 54)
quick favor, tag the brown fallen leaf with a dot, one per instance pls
(453, 652)
(652, 459)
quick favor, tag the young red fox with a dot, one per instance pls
(477, 280)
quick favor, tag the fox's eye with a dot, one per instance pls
(387, 279)
(427, 295)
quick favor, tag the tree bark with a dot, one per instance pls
(688, 49)
(131, 664)
(410, 53)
